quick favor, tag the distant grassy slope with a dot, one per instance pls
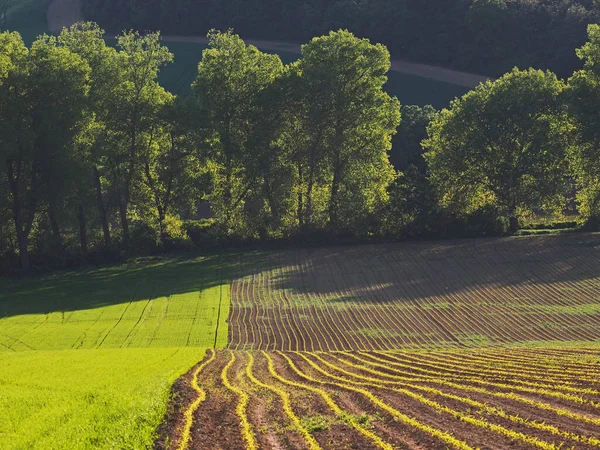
(410, 89)
(28, 17)
(113, 399)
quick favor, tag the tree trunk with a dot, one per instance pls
(102, 209)
(55, 227)
(300, 212)
(17, 207)
(227, 195)
(513, 224)
(161, 225)
(124, 221)
(23, 250)
(83, 242)
(333, 201)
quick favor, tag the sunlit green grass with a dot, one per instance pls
(170, 303)
(87, 357)
(82, 399)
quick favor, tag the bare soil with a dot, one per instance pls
(216, 425)
(455, 294)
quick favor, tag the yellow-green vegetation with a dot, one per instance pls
(439, 410)
(87, 358)
(81, 399)
(165, 303)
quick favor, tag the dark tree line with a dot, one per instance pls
(98, 160)
(482, 36)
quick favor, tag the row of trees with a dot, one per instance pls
(90, 139)
(481, 36)
(97, 156)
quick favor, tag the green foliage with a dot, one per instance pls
(314, 424)
(99, 161)
(504, 144)
(348, 121)
(231, 76)
(583, 95)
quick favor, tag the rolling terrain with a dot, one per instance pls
(490, 343)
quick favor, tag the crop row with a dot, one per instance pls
(378, 400)
(418, 296)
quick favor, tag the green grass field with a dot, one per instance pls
(81, 399)
(87, 358)
(28, 17)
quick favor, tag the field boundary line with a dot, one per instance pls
(219, 310)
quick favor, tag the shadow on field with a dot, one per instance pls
(473, 267)
(549, 268)
(141, 280)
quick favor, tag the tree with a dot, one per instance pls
(503, 143)
(42, 95)
(350, 120)
(87, 40)
(132, 112)
(173, 166)
(230, 77)
(583, 95)
(15, 140)
(58, 88)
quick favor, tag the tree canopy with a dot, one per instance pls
(503, 143)
(98, 161)
(583, 95)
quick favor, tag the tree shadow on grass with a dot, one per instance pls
(138, 280)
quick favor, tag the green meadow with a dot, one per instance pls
(82, 399)
(87, 357)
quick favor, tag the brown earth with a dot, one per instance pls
(393, 405)
(454, 294)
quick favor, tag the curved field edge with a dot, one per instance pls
(83, 399)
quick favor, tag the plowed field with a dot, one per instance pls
(523, 398)
(420, 295)
(468, 344)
